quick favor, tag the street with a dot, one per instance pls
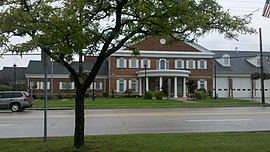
(128, 121)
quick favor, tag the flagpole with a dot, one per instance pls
(262, 73)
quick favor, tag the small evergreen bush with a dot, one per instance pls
(149, 95)
(199, 94)
(158, 95)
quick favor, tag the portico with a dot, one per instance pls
(158, 80)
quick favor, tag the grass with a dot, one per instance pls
(141, 103)
(187, 142)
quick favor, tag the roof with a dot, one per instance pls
(37, 67)
(8, 73)
(154, 43)
(239, 62)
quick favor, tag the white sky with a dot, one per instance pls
(212, 41)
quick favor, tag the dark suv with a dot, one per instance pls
(15, 100)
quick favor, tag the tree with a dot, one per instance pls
(192, 86)
(65, 28)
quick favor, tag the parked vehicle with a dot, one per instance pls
(15, 100)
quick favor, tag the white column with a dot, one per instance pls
(140, 86)
(185, 88)
(175, 87)
(147, 84)
(160, 83)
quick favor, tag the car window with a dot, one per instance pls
(12, 95)
(26, 94)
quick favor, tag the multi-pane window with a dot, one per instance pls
(121, 63)
(226, 60)
(162, 64)
(66, 85)
(202, 84)
(190, 64)
(202, 64)
(133, 85)
(39, 85)
(120, 85)
(145, 62)
(133, 63)
(157, 85)
(97, 85)
(179, 64)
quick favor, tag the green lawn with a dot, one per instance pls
(141, 103)
(186, 142)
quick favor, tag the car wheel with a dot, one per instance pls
(15, 107)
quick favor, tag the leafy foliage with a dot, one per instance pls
(158, 95)
(149, 95)
(257, 75)
(191, 85)
(63, 29)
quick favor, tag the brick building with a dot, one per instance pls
(161, 66)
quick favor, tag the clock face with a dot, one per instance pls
(162, 41)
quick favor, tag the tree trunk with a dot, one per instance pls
(79, 119)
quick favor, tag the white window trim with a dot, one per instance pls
(130, 63)
(176, 64)
(118, 63)
(199, 64)
(136, 85)
(199, 84)
(118, 86)
(148, 63)
(193, 64)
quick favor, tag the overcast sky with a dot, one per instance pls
(212, 41)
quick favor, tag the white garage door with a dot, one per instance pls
(241, 87)
(222, 87)
(258, 88)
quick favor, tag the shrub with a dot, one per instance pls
(149, 95)
(113, 95)
(4, 87)
(158, 95)
(105, 94)
(199, 94)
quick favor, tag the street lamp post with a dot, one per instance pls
(14, 79)
(215, 75)
(145, 65)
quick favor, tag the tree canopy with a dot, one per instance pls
(65, 28)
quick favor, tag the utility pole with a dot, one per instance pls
(262, 73)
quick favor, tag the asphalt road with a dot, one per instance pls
(128, 121)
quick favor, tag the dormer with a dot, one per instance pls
(225, 60)
(255, 61)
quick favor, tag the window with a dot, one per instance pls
(258, 61)
(179, 64)
(157, 85)
(121, 86)
(145, 62)
(39, 85)
(226, 60)
(66, 85)
(133, 63)
(202, 64)
(97, 86)
(190, 64)
(133, 85)
(121, 63)
(162, 64)
(202, 84)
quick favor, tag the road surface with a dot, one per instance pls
(128, 121)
